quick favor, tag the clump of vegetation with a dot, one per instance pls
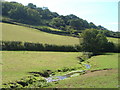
(28, 82)
(43, 16)
(17, 45)
(85, 56)
(95, 42)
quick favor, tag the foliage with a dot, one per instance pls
(95, 42)
(17, 45)
(57, 22)
(28, 82)
(31, 14)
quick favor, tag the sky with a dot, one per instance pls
(100, 12)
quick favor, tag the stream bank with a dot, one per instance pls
(70, 74)
(36, 80)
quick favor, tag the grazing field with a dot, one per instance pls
(114, 40)
(17, 64)
(12, 32)
(96, 79)
(108, 60)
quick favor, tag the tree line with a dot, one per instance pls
(96, 42)
(31, 14)
(29, 46)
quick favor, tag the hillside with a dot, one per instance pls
(12, 32)
(37, 16)
(42, 49)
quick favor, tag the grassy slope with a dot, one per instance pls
(17, 64)
(19, 33)
(109, 60)
(114, 40)
(98, 79)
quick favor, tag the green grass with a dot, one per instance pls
(114, 40)
(12, 32)
(103, 79)
(17, 64)
(52, 29)
(108, 60)
(97, 79)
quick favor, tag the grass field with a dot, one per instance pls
(114, 40)
(12, 32)
(109, 60)
(17, 64)
(97, 79)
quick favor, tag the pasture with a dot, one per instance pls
(12, 32)
(96, 79)
(17, 64)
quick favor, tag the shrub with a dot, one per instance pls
(17, 45)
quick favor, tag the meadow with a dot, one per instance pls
(12, 32)
(17, 64)
(96, 79)
(114, 40)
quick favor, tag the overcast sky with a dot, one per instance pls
(100, 12)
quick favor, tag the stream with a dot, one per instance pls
(71, 74)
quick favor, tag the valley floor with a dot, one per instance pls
(103, 74)
(17, 64)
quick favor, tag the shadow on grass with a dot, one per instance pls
(106, 54)
(45, 73)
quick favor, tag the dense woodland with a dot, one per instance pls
(42, 16)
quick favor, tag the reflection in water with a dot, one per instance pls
(57, 78)
(87, 66)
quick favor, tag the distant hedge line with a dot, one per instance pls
(17, 45)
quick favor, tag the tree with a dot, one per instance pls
(31, 5)
(57, 22)
(93, 41)
(92, 25)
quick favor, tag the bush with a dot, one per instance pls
(28, 82)
(12, 45)
(17, 45)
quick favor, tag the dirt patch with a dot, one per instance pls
(99, 72)
(101, 69)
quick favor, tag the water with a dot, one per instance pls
(71, 74)
(87, 66)
(55, 78)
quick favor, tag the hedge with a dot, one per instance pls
(29, 46)
(17, 45)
